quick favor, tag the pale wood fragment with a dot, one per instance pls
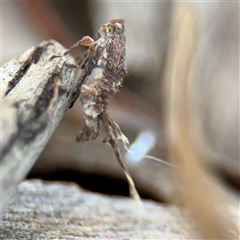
(36, 93)
(61, 210)
(58, 210)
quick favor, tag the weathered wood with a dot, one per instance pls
(36, 94)
(61, 210)
(47, 210)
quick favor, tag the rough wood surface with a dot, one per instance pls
(36, 93)
(62, 210)
(58, 210)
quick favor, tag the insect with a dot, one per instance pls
(104, 67)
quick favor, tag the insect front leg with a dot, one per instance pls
(85, 41)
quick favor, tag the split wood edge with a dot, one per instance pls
(35, 94)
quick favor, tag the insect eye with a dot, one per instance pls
(118, 28)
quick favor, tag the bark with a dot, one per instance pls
(36, 93)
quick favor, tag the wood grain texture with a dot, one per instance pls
(60, 210)
(36, 93)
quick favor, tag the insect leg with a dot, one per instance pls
(85, 41)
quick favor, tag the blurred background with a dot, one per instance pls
(141, 108)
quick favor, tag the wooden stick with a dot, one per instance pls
(36, 93)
